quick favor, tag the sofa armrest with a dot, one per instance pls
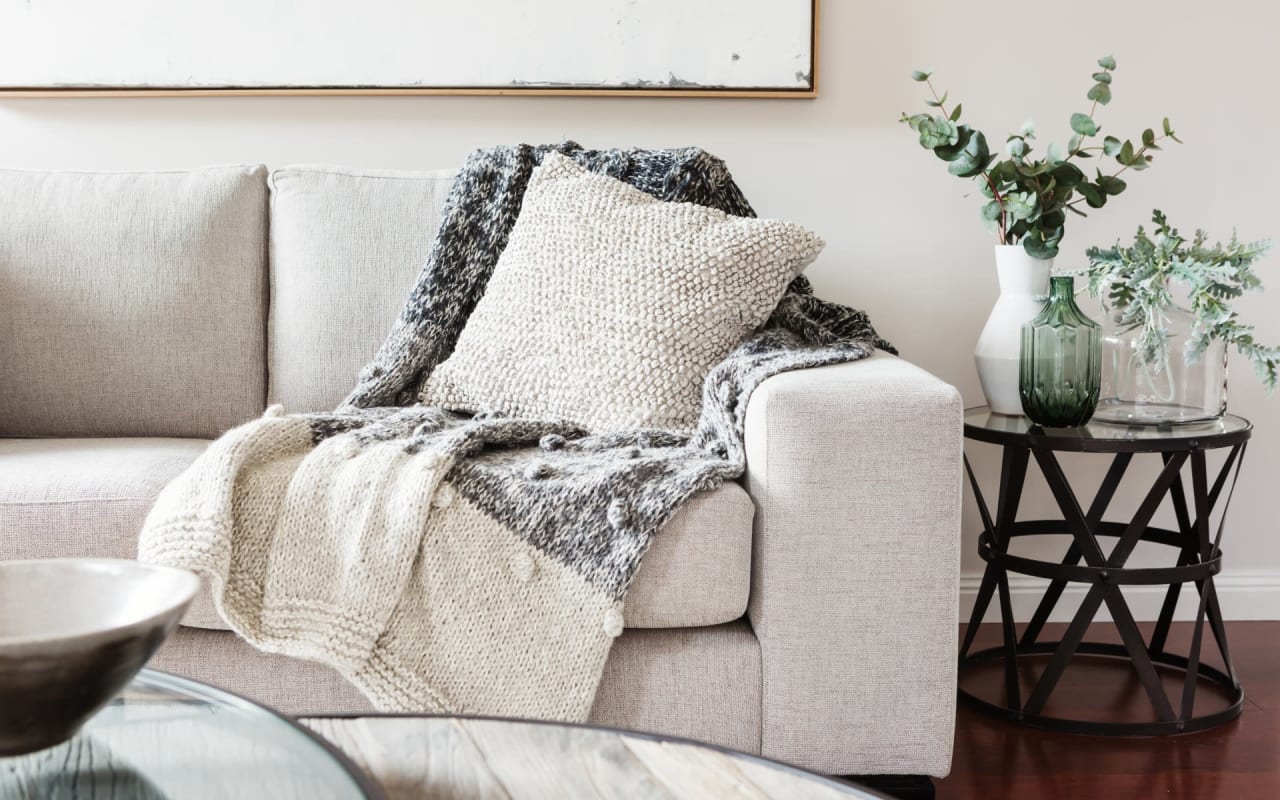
(856, 472)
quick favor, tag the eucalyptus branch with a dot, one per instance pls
(995, 194)
(1136, 283)
(938, 100)
(1028, 197)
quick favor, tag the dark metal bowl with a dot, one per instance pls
(73, 633)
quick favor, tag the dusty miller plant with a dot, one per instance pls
(1135, 282)
(1029, 197)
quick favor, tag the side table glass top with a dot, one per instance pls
(982, 424)
(172, 738)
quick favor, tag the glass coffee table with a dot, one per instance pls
(478, 758)
(171, 738)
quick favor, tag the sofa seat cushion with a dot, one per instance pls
(701, 684)
(63, 498)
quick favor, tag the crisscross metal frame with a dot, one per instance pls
(1199, 560)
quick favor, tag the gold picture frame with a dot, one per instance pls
(807, 91)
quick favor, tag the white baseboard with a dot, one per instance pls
(1244, 595)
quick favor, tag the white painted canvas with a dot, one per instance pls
(489, 44)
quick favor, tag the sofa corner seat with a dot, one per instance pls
(146, 313)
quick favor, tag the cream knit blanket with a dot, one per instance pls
(357, 554)
(454, 564)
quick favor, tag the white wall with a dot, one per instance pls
(904, 241)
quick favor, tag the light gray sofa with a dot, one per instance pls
(808, 614)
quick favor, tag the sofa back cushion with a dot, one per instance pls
(132, 303)
(347, 245)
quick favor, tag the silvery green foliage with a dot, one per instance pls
(1136, 282)
(1027, 197)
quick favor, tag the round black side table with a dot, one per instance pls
(1199, 559)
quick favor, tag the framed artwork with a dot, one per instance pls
(748, 48)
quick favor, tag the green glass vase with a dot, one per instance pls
(1061, 365)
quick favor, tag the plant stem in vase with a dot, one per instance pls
(1029, 196)
(1161, 388)
(1165, 363)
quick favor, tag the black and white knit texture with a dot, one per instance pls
(592, 502)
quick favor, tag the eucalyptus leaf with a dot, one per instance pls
(955, 112)
(1102, 77)
(1125, 156)
(920, 77)
(937, 132)
(1068, 175)
(974, 157)
(1005, 172)
(1107, 62)
(1111, 185)
(1037, 247)
(1083, 124)
(950, 152)
(1100, 93)
(914, 121)
(1092, 195)
(1111, 145)
(1021, 205)
(1054, 154)
(1053, 221)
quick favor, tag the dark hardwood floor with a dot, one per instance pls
(1238, 761)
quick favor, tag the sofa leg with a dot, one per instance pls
(902, 787)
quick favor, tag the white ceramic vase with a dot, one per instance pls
(1024, 285)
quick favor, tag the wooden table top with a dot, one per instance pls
(465, 758)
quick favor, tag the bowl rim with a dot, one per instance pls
(15, 644)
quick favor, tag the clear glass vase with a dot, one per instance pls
(1140, 388)
(1060, 370)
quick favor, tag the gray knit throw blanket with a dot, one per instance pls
(456, 564)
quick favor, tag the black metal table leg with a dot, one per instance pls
(1096, 511)
(1198, 561)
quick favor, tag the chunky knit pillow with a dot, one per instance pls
(608, 307)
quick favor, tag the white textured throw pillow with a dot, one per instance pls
(608, 306)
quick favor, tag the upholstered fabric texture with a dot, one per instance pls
(701, 683)
(66, 498)
(856, 470)
(608, 307)
(132, 303)
(346, 248)
(77, 498)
